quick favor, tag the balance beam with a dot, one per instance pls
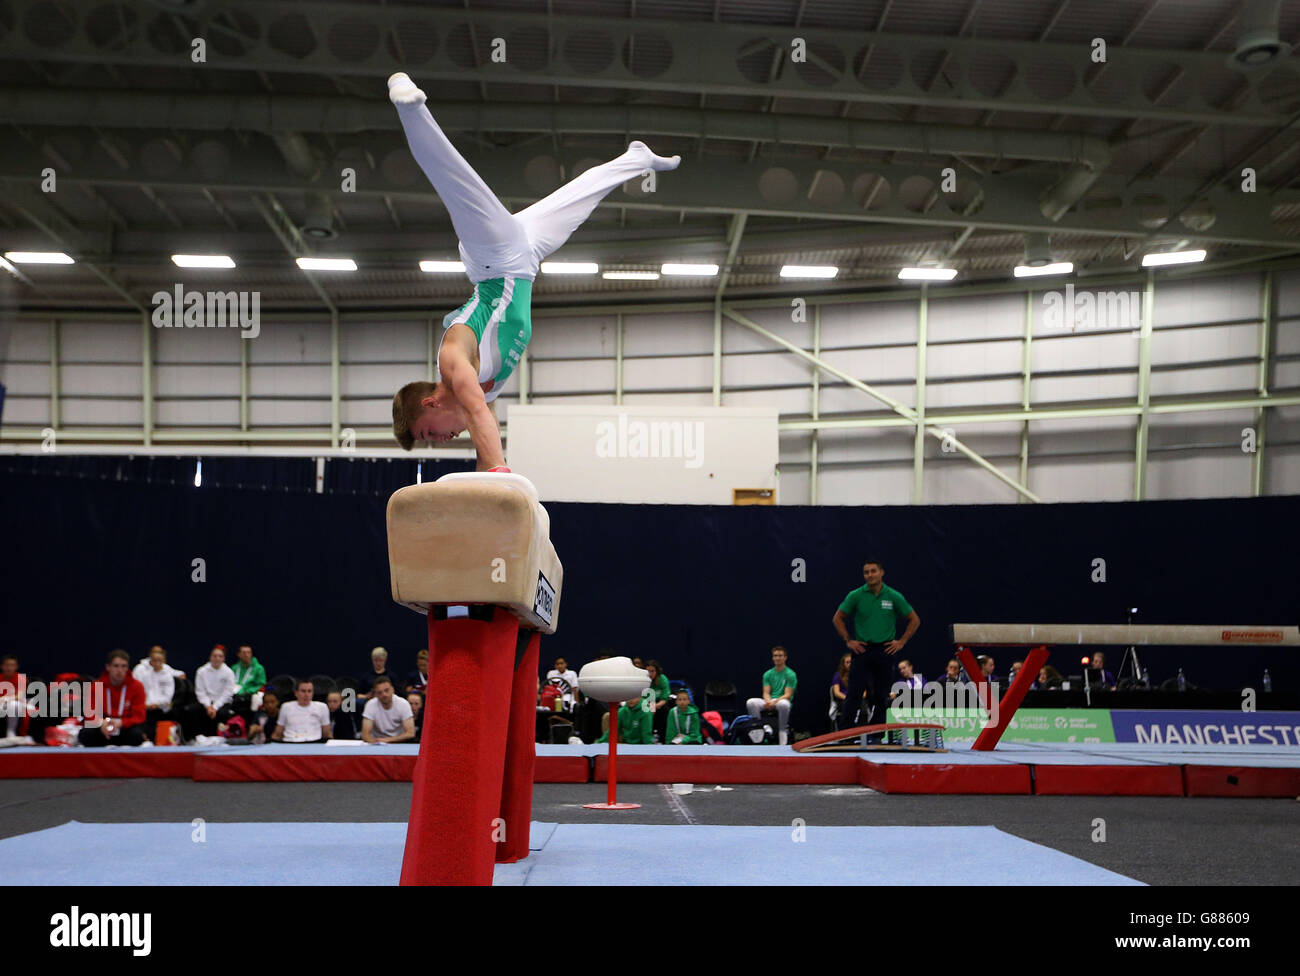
(473, 552)
(1014, 635)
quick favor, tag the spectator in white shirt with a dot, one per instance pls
(387, 718)
(303, 720)
(566, 680)
(214, 687)
(159, 680)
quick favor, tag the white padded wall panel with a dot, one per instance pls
(681, 333)
(361, 342)
(982, 316)
(676, 372)
(868, 323)
(25, 341)
(1206, 299)
(1082, 479)
(1207, 379)
(786, 401)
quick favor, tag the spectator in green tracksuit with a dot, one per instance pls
(635, 721)
(250, 676)
(684, 722)
(662, 703)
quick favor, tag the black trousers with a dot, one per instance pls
(871, 671)
(133, 736)
(195, 721)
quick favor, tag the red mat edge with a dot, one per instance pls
(95, 764)
(1074, 780)
(1252, 781)
(992, 779)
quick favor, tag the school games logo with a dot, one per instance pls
(1251, 636)
(544, 601)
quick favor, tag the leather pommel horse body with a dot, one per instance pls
(473, 552)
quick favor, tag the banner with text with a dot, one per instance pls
(1206, 728)
(1028, 724)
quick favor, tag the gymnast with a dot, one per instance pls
(485, 337)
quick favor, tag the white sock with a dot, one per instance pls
(402, 90)
(659, 163)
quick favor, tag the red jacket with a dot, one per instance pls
(126, 701)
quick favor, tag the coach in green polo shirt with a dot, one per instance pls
(867, 622)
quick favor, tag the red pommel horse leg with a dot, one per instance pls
(1015, 694)
(473, 551)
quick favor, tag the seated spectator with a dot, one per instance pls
(250, 676)
(636, 663)
(1049, 679)
(303, 720)
(15, 710)
(1015, 670)
(635, 721)
(1098, 674)
(378, 669)
(121, 722)
(840, 690)
(343, 724)
(159, 680)
(683, 724)
(779, 683)
(986, 668)
(387, 719)
(416, 700)
(566, 680)
(214, 687)
(418, 680)
(263, 725)
(907, 689)
(952, 673)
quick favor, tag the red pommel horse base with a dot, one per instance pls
(473, 552)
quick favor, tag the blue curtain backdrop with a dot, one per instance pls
(93, 562)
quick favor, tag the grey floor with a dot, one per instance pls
(1161, 841)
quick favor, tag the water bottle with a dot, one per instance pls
(1268, 682)
(1182, 681)
(1146, 677)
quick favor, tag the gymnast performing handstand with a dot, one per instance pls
(485, 337)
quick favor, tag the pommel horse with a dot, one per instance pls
(473, 552)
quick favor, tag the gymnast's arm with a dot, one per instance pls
(457, 372)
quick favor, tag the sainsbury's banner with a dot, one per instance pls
(1206, 728)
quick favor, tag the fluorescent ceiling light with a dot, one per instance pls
(928, 274)
(631, 275)
(1172, 257)
(569, 267)
(38, 257)
(442, 267)
(202, 261)
(1030, 271)
(691, 270)
(327, 264)
(809, 271)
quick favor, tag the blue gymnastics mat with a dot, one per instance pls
(563, 854)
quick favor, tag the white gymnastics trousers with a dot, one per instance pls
(495, 243)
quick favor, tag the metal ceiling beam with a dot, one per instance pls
(285, 116)
(809, 189)
(592, 52)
